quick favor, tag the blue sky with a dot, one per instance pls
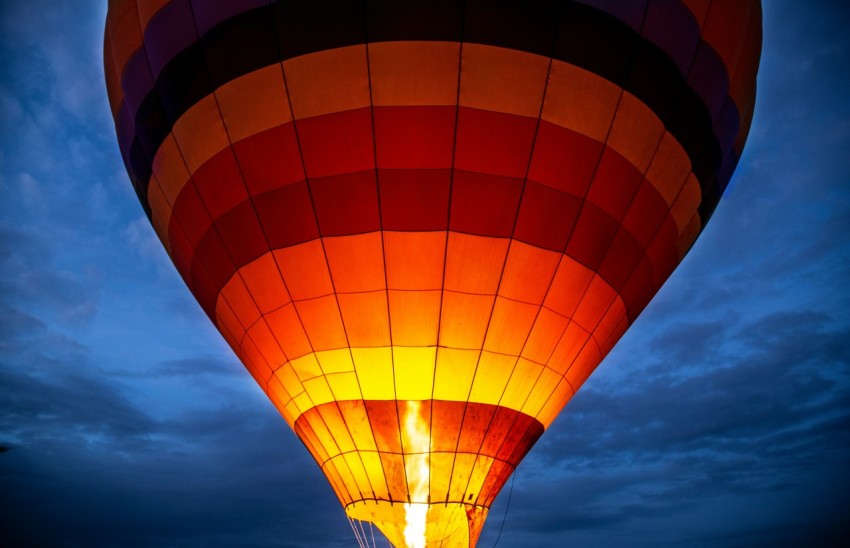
(721, 419)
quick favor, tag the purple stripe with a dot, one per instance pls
(726, 125)
(209, 13)
(125, 129)
(170, 31)
(708, 79)
(629, 12)
(136, 81)
(672, 27)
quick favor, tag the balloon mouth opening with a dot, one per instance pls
(417, 523)
(446, 524)
(424, 473)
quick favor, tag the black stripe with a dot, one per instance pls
(586, 37)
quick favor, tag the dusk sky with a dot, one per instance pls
(721, 419)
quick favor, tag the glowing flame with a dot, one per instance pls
(418, 476)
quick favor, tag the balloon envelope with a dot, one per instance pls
(421, 225)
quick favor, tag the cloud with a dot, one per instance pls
(767, 414)
(103, 467)
(32, 279)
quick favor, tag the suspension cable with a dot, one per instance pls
(507, 507)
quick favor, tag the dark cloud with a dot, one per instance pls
(100, 469)
(194, 367)
(760, 422)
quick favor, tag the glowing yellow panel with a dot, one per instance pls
(365, 318)
(414, 259)
(414, 73)
(346, 478)
(318, 390)
(519, 386)
(478, 476)
(306, 367)
(254, 102)
(414, 372)
(305, 270)
(528, 272)
(454, 373)
(330, 470)
(276, 389)
(460, 475)
(265, 284)
(546, 384)
(335, 361)
(580, 100)
(464, 319)
(374, 367)
(200, 133)
(372, 464)
(328, 81)
(474, 263)
(502, 80)
(289, 380)
(344, 386)
(414, 316)
(509, 327)
(441, 475)
(491, 377)
(356, 262)
(280, 398)
(358, 471)
(559, 398)
(291, 410)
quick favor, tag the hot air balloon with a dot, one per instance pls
(422, 224)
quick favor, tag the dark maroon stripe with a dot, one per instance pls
(582, 35)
